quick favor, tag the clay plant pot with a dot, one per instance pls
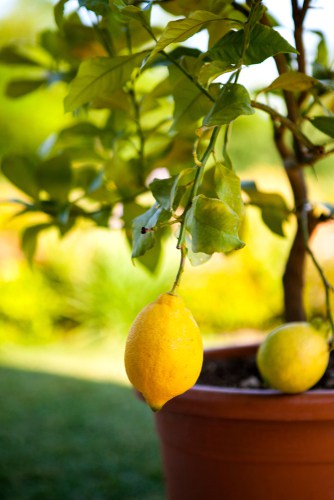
(247, 444)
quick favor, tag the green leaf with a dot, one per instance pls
(232, 102)
(195, 258)
(144, 227)
(84, 129)
(322, 50)
(293, 81)
(168, 192)
(161, 190)
(274, 210)
(29, 239)
(58, 12)
(182, 29)
(10, 54)
(210, 71)
(190, 103)
(141, 15)
(264, 42)
(55, 177)
(228, 188)
(21, 171)
(213, 226)
(98, 77)
(102, 217)
(325, 124)
(100, 7)
(19, 88)
(151, 259)
(88, 178)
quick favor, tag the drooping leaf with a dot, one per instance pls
(232, 102)
(10, 54)
(293, 81)
(55, 176)
(229, 189)
(161, 190)
(58, 12)
(195, 258)
(144, 227)
(190, 104)
(19, 88)
(98, 77)
(264, 42)
(325, 124)
(100, 7)
(322, 50)
(182, 29)
(88, 178)
(168, 192)
(213, 226)
(102, 217)
(29, 239)
(21, 171)
(274, 210)
(84, 129)
(141, 15)
(151, 259)
(211, 70)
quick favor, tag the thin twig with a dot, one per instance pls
(287, 123)
(327, 285)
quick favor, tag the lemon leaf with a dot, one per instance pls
(228, 188)
(293, 81)
(213, 226)
(274, 210)
(325, 124)
(182, 29)
(232, 102)
(100, 76)
(264, 42)
(144, 227)
(168, 192)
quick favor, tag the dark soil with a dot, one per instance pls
(243, 374)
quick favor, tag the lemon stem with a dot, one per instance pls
(183, 250)
(181, 245)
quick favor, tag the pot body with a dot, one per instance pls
(238, 444)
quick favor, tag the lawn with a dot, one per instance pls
(78, 436)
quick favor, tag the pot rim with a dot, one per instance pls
(251, 404)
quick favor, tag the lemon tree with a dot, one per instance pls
(154, 115)
(293, 357)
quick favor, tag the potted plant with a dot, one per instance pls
(155, 116)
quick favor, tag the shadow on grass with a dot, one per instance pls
(69, 439)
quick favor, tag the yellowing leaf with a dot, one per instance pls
(293, 81)
(213, 226)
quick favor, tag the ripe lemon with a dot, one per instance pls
(164, 350)
(293, 357)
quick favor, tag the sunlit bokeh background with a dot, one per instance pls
(68, 313)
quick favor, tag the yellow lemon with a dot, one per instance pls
(293, 357)
(164, 350)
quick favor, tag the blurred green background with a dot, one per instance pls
(70, 427)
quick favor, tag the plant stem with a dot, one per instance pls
(327, 286)
(275, 115)
(181, 245)
(183, 250)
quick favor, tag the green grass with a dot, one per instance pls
(70, 438)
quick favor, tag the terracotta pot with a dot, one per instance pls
(247, 444)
